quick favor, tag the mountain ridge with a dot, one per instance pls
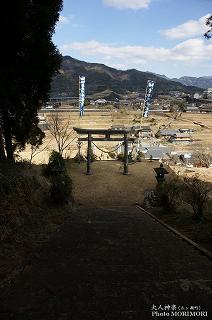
(203, 82)
(101, 78)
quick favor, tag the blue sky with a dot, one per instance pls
(161, 36)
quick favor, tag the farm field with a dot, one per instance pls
(104, 120)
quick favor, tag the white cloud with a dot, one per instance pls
(68, 20)
(128, 4)
(192, 50)
(189, 29)
(63, 20)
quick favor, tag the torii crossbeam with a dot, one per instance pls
(107, 137)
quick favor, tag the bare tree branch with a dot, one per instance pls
(35, 150)
(62, 132)
(197, 194)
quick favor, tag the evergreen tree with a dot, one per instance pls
(29, 61)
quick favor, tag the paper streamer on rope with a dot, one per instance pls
(148, 97)
(81, 95)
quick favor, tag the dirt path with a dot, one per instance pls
(108, 186)
(111, 263)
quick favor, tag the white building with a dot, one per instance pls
(208, 93)
(197, 95)
(101, 101)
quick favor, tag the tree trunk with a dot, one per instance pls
(7, 135)
(2, 151)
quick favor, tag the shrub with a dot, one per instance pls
(152, 120)
(56, 164)
(196, 194)
(79, 158)
(130, 157)
(93, 156)
(112, 155)
(120, 157)
(190, 190)
(61, 184)
(61, 189)
(170, 193)
(22, 195)
(157, 135)
(140, 156)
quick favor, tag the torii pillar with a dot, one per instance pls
(107, 137)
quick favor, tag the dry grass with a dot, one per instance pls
(199, 232)
(27, 216)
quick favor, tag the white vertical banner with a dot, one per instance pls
(81, 95)
(148, 97)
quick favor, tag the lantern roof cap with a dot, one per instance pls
(161, 169)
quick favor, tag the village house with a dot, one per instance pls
(101, 101)
(186, 130)
(161, 154)
(181, 138)
(43, 125)
(119, 127)
(192, 108)
(166, 133)
(206, 108)
(142, 131)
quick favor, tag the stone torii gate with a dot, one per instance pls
(107, 137)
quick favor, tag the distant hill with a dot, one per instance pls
(201, 82)
(109, 82)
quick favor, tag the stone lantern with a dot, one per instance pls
(160, 173)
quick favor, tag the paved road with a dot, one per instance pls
(107, 264)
